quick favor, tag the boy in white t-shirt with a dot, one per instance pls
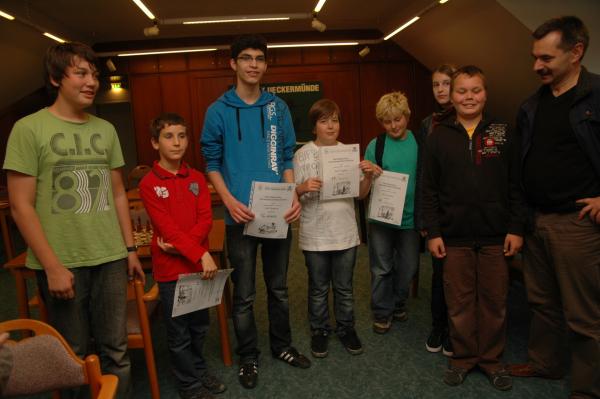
(328, 235)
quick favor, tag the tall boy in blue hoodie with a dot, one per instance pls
(248, 135)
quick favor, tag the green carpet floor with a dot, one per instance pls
(394, 365)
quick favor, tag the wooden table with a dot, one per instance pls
(216, 241)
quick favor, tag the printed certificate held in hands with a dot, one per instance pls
(387, 197)
(339, 171)
(192, 293)
(269, 202)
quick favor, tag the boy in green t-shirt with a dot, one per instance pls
(68, 200)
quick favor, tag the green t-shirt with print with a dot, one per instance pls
(72, 163)
(400, 156)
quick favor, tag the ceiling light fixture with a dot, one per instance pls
(51, 36)
(318, 25)
(443, 1)
(312, 44)
(320, 5)
(152, 30)
(145, 9)
(364, 51)
(173, 51)
(7, 16)
(406, 25)
(230, 20)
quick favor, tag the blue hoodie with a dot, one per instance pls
(246, 142)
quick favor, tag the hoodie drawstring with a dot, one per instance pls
(262, 122)
(239, 128)
(237, 114)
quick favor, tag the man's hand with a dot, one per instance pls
(61, 282)
(437, 248)
(166, 247)
(134, 267)
(512, 244)
(592, 206)
(293, 213)
(370, 169)
(238, 211)
(310, 185)
(209, 267)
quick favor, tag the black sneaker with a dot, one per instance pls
(454, 376)
(248, 375)
(213, 384)
(400, 315)
(199, 393)
(293, 358)
(447, 348)
(501, 380)
(351, 341)
(318, 343)
(434, 342)
(381, 326)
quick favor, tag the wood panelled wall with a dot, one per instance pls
(188, 84)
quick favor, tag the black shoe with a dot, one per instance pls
(447, 348)
(501, 380)
(400, 315)
(318, 343)
(454, 376)
(248, 375)
(351, 341)
(213, 384)
(434, 342)
(293, 358)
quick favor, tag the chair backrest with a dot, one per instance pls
(136, 174)
(45, 362)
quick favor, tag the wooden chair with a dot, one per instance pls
(140, 304)
(136, 174)
(45, 362)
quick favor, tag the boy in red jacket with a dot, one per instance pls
(177, 200)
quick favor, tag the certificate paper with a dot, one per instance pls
(269, 202)
(387, 197)
(339, 171)
(192, 293)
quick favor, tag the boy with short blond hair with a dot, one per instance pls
(177, 200)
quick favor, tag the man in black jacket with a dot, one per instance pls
(474, 216)
(560, 159)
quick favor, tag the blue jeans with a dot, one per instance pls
(99, 311)
(185, 338)
(394, 258)
(275, 253)
(335, 268)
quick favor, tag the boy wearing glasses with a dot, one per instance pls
(248, 135)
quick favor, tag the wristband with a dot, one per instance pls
(132, 249)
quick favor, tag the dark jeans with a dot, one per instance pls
(476, 285)
(185, 337)
(562, 275)
(335, 268)
(439, 310)
(275, 253)
(394, 258)
(99, 311)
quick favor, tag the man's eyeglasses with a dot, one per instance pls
(260, 59)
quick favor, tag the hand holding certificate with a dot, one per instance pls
(193, 293)
(387, 197)
(269, 202)
(339, 171)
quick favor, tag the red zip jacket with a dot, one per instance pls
(179, 207)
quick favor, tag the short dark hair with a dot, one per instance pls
(61, 56)
(572, 31)
(164, 120)
(470, 71)
(446, 69)
(324, 108)
(244, 42)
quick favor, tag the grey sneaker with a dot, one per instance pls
(213, 384)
